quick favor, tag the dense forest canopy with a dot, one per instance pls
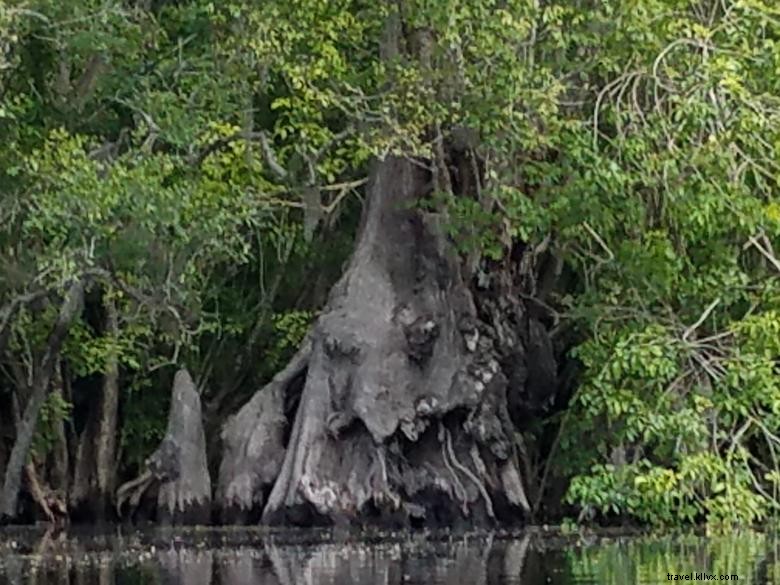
(181, 183)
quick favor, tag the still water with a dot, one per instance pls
(246, 557)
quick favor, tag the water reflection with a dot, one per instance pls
(237, 557)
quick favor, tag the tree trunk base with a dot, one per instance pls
(403, 417)
(178, 468)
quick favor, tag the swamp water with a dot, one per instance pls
(256, 556)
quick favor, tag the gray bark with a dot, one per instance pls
(403, 414)
(69, 310)
(180, 462)
(82, 489)
(105, 451)
(178, 466)
(59, 460)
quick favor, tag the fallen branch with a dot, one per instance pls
(753, 240)
(600, 241)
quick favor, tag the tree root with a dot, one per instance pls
(132, 492)
(468, 473)
(460, 491)
(51, 506)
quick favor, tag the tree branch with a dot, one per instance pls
(8, 312)
(268, 154)
(69, 311)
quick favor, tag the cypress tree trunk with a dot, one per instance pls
(94, 478)
(58, 460)
(402, 410)
(105, 451)
(178, 468)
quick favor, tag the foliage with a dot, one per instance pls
(197, 163)
(641, 559)
(55, 410)
(674, 173)
(144, 422)
(141, 154)
(289, 330)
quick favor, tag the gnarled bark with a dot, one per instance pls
(178, 467)
(403, 415)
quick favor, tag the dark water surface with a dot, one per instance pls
(248, 556)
